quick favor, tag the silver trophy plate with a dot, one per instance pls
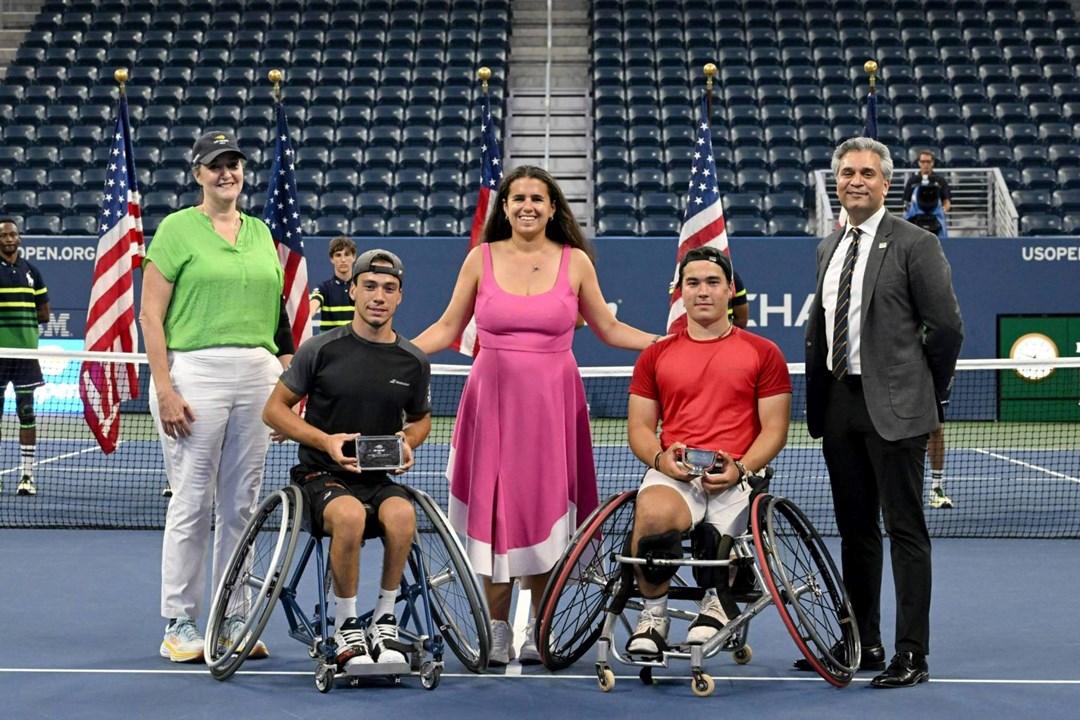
(696, 461)
(379, 452)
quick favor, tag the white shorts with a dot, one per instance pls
(728, 511)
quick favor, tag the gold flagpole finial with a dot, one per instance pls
(710, 70)
(275, 76)
(484, 74)
(121, 77)
(871, 67)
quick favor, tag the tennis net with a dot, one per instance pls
(1012, 460)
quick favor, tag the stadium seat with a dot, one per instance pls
(787, 226)
(41, 225)
(746, 226)
(784, 204)
(19, 201)
(1031, 201)
(79, 225)
(1041, 224)
(617, 226)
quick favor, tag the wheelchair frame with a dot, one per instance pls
(594, 583)
(439, 591)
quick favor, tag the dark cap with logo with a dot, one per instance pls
(711, 254)
(212, 144)
(390, 264)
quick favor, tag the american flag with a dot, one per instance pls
(703, 223)
(110, 321)
(282, 216)
(490, 177)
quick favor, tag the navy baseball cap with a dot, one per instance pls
(212, 144)
(364, 263)
(706, 253)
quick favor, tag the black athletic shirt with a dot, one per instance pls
(353, 385)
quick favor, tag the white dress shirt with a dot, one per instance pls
(831, 289)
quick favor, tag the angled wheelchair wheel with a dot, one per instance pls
(253, 580)
(582, 581)
(459, 607)
(806, 588)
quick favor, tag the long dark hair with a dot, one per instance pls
(563, 228)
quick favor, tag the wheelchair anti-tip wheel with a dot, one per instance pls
(806, 588)
(571, 609)
(458, 604)
(253, 580)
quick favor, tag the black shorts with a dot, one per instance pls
(320, 487)
(20, 372)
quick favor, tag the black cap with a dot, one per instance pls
(212, 144)
(363, 264)
(711, 254)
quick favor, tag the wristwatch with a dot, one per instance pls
(743, 475)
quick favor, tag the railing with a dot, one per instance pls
(981, 206)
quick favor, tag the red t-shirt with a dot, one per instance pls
(708, 390)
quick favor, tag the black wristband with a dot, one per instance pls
(656, 461)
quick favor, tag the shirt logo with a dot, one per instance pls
(395, 381)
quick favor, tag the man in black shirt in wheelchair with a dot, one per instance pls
(361, 380)
(717, 388)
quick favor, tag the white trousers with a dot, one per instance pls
(220, 465)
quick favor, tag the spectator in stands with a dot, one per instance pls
(874, 386)
(24, 305)
(212, 319)
(521, 469)
(332, 295)
(362, 378)
(739, 309)
(741, 414)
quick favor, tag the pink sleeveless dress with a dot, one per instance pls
(521, 465)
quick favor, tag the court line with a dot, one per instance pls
(1030, 466)
(536, 677)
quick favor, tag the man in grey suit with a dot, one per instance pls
(874, 389)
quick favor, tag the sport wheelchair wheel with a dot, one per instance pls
(806, 587)
(458, 604)
(253, 580)
(572, 607)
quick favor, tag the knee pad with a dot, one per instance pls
(24, 408)
(667, 546)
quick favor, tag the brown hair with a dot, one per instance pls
(563, 228)
(342, 243)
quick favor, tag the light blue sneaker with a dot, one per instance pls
(182, 642)
(232, 627)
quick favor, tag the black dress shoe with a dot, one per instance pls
(907, 669)
(873, 658)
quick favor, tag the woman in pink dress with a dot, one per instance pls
(521, 465)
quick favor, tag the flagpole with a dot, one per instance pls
(121, 77)
(871, 68)
(710, 70)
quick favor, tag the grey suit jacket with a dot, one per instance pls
(907, 287)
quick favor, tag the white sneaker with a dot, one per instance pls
(710, 620)
(529, 655)
(650, 637)
(502, 643)
(381, 632)
(939, 500)
(351, 645)
(230, 629)
(182, 642)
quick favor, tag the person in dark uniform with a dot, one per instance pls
(332, 297)
(360, 379)
(24, 305)
(739, 308)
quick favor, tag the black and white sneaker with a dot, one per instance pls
(383, 641)
(351, 645)
(650, 637)
(715, 613)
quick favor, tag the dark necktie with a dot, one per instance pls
(843, 304)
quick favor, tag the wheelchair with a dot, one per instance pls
(780, 560)
(440, 602)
